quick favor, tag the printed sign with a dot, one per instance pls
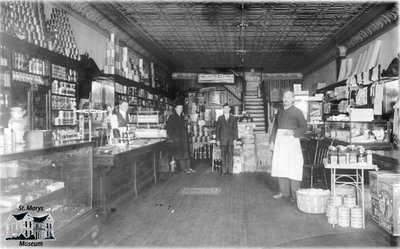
(216, 78)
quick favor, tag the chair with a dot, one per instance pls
(320, 153)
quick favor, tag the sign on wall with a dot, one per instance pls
(216, 78)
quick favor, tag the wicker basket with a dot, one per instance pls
(312, 201)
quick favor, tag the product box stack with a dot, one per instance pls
(238, 159)
(249, 150)
(263, 153)
(113, 65)
(126, 70)
(385, 199)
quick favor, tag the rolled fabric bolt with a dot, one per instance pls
(342, 71)
(363, 55)
(354, 72)
(349, 67)
(367, 58)
(374, 55)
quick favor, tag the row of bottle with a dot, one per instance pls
(32, 65)
(28, 78)
(65, 118)
(62, 73)
(64, 88)
(4, 101)
(63, 103)
(202, 152)
(5, 79)
(66, 135)
(3, 56)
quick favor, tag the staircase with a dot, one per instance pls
(255, 107)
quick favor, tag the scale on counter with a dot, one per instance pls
(148, 125)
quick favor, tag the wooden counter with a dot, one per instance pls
(124, 171)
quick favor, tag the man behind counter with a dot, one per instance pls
(120, 119)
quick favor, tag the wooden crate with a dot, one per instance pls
(389, 204)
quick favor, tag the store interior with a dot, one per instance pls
(71, 174)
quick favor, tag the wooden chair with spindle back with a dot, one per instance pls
(320, 153)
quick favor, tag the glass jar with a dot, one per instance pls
(332, 155)
(342, 151)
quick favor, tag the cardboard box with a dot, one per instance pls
(375, 176)
(245, 129)
(389, 204)
(262, 138)
(263, 158)
(249, 156)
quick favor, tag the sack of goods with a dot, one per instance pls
(312, 201)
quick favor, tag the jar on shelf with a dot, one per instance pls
(362, 156)
(342, 154)
(332, 155)
(351, 150)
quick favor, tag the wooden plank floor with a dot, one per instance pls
(244, 214)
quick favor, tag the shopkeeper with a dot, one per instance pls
(287, 161)
(120, 119)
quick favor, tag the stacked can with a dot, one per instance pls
(332, 210)
(349, 201)
(343, 216)
(356, 217)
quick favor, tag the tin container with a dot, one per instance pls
(349, 201)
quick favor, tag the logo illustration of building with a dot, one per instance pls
(24, 226)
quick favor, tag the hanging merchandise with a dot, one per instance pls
(378, 98)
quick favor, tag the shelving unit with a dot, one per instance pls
(140, 97)
(46, 92)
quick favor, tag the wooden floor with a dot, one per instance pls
(244, 214)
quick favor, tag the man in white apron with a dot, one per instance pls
(287, 161)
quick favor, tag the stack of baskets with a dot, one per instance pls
(312, 201)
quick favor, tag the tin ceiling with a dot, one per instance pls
(278, 37)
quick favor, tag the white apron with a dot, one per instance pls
(287, 160)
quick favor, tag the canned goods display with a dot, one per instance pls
(356, 217)
(343, 216)
(349, 201)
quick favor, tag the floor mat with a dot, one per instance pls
(200, 191)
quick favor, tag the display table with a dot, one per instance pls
(356, 180)
(121, 171)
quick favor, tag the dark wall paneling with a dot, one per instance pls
(280, 84)
(179, 87)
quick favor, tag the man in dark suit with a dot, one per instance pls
(227, 134)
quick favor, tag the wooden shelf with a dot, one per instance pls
(128, 82)
(38, 52)
(331, 87)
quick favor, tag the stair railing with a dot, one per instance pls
(265, 104)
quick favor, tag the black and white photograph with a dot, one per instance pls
(199, 124)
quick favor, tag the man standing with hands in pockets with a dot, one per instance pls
(287, 161)
(227, 134)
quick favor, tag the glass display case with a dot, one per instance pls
(53, 180)
(375, 132)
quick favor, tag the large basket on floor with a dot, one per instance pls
(312, 201)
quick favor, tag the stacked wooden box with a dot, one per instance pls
(263, 153)
(385, 200)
